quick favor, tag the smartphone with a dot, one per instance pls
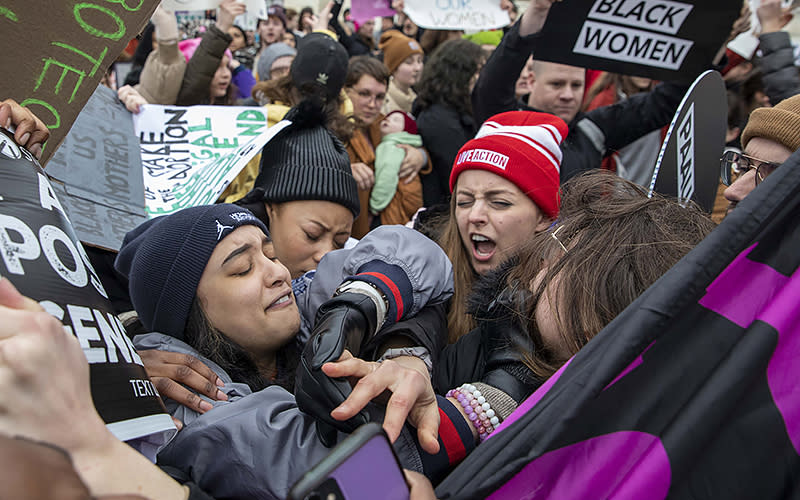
(362, 467)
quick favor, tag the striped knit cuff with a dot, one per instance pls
(455, 441)
(393, 282)
(501, 403)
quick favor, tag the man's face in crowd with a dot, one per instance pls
(271, 30)
(557, 89)
(763, 149)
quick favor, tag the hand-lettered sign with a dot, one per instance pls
(470, 15)
(97, 172)
(661, 39)
(54, 53)
(688, 164)
(45, 261)
(191, 154)
(254, 7)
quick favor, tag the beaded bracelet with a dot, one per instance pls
(478, 410)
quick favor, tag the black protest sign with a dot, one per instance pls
(661, 39)
(688, 163)
(45, 261)
(98, 172)
(55, 53)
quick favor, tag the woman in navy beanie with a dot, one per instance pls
(206, 283)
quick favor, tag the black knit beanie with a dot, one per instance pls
(320, 66)
(305, 161)
(165, 257)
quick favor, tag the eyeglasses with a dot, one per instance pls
(734, 164)
(369, 96)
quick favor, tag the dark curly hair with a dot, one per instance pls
(447, 75)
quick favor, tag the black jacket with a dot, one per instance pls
(201, 67)
(444, 130)
(779, 74)
(492, 352)
(592, 135)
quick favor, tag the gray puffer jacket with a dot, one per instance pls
(257, 444)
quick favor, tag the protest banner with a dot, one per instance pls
(191, 154)
(254, 7)
(468, 15)
(690, 392)
(363, 10)
(98, 174)
(55, 53)
(45, 261)
(688, 163)
(660, 39)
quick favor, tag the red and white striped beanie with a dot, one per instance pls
(523, 147)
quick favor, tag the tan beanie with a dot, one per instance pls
(780, 124)
(396, 48)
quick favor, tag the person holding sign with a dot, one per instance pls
(29, 131)
(53, 404)
(559, 88)
(159, 81)
(212, 74)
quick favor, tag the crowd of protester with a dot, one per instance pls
(250, 313)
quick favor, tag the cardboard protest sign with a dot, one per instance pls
(97, 172)
(661, 39)
(191, 154)
(55, 53)
(688, 163)
(363, 10)
(468, 15)
(45, 261)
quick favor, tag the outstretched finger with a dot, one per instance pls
(427, 422)
(397, 410)
(352, 367)
(367, 389)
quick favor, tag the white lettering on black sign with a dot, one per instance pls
(654, 15)
(686, 156)
(24, 245)
(646, 45)
(100, 334)
(143, 388)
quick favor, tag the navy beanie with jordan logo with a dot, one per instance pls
(165, 257)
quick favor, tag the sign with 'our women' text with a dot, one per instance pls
(469, 15)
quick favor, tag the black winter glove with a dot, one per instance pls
(346, 321)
